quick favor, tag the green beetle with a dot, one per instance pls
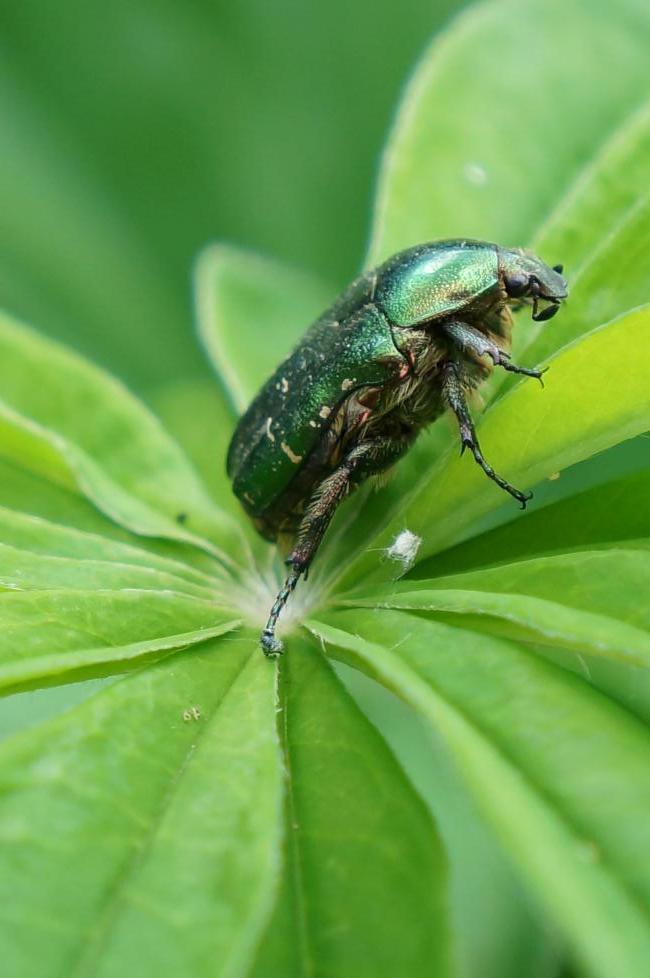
(404, 342)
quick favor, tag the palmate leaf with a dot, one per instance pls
(188, 813)
(216, 814)
(581, 387)
(79, 604)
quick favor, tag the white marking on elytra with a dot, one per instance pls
(289, 453)
(325, 411)
(404, 549)
(347, 384)
(269, 433)
(284, 385)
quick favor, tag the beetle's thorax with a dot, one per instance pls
(435, 280)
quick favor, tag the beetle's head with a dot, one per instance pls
(526, 277)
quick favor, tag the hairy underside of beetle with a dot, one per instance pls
(394, 413)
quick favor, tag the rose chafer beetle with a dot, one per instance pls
(404, 342)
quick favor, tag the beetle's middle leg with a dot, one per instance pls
(454, 396)
(472, 340)
(362, 461)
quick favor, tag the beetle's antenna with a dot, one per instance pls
(271, 645)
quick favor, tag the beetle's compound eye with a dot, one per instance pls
(516, 284)
(558, 268)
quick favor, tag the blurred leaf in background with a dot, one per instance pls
(134, 132)
(189, 808)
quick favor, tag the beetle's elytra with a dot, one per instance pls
(404, 342)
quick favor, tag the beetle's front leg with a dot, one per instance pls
(363, 460)
(471, 340)
(454, 396)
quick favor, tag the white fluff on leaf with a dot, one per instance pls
(404, 549)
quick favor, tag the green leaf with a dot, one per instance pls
(82, 429)
(498, 931)
(165, 793)
(26, 492)
(76, 666)
(69, 633)
(610, 281)
(251, 311)
(608, 515)
(198, 416)
(525, 735)
(594, 581)
(599, 199)
(41, 537)
(24, 571)
(365, 878)
(488, 153)
(599, 220)
(586, 601)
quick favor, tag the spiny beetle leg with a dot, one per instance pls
(272, 646)
(454, 396)
(366, 459)
(526, 371)
(470, 339)
(317, 517)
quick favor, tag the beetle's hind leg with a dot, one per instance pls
(454, 396)
(469, 339)
(365, 459)
(271, 645)
(318, 514)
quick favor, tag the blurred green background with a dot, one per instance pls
(134, 132)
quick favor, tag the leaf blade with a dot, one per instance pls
(99, 439)
(521, 68)
(364, 882)
(250, 311)
(50, 633)
(157, 839)
(495, 706)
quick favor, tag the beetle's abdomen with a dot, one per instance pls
(293, 412)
